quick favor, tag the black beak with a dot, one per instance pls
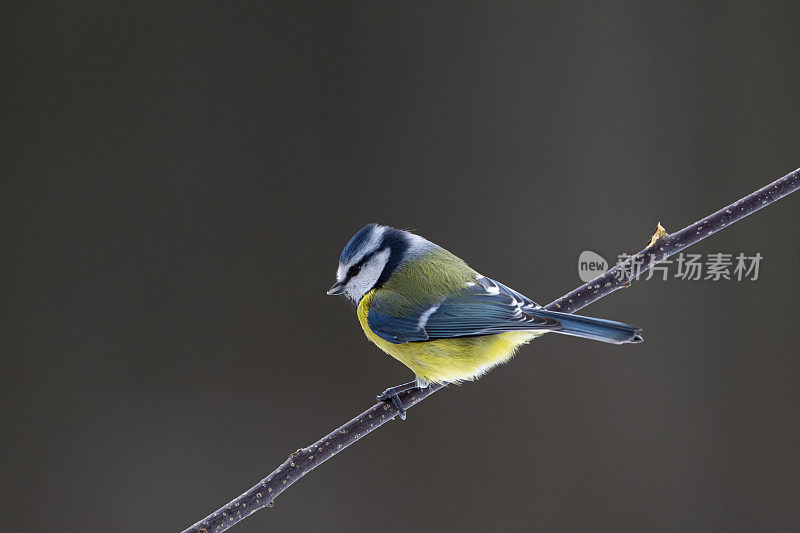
(336, 289)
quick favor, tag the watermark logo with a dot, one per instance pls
(590, 265)
(691, 267)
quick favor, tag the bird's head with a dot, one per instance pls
(371, 257)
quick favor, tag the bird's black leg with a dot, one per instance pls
(391, 394)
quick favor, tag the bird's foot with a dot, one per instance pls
(391, 394)
(399, 404)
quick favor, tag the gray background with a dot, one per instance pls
(178, 181)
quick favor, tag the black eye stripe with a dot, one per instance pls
(355, 269)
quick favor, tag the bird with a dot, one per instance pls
(426, 307)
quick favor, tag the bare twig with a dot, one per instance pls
(661, 246)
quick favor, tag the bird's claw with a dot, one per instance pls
(388, 395)
(391, 394)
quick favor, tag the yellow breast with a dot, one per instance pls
(449, 360)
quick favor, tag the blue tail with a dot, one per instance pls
(597, 329)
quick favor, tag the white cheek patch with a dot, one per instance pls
(370, 245)
(370, 272)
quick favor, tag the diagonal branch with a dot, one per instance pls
(661, 246)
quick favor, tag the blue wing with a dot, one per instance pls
(484, 308)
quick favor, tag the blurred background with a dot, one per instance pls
(178, 182)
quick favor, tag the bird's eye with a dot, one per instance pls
(353, 271)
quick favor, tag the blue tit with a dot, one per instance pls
(429, 310)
